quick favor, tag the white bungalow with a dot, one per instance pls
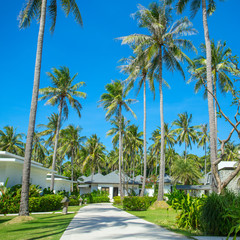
(11, 168)
(109, 183)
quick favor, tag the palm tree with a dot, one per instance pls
(95, 154)
(187, 172)
(222, 67)
(133, 141)
(163, 45)
(137, 66)
(231, 151)
(186, 133)
(50, 128)
(203, 139)
(35, 9)
(195, 6)
(170, 139)
(11, 141)
(62, 91)
(39, 152)
(70, 141)
(113, 102)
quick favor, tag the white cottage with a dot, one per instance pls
(109, 183)
(11, 168)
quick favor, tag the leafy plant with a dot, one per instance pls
(117, 200)
(175, 198)
(191, 212)
(217, 218)
(137, 203)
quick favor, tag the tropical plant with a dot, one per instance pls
(137, 67)
(162, 45)
(61, 92)
(203, 139)
(35, 9)
(50, 128)
(133, 143)
(185, 132)
(206, 11)
(113, 102)
(186, 170)
(190, 215)
(11, 141)
(70, 141)
(95, 154)
(39, 152)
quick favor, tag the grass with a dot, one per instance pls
(164, 218)
(43, 226)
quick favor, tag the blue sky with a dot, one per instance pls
(93, 53)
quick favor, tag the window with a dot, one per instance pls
(106, 189)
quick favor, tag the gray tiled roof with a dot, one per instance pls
(112, 177)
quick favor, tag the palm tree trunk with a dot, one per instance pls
(120, 151)
(24, 211)
(205, 163)
(72, 158)
(144, 138)
(162, 161)
(55, 144)
(213, 152)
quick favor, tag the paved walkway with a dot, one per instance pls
(104, 222)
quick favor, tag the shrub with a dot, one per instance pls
(45, 203)
(73, 200)
(96, 197)
(175, 198)
(216, 216)
(191, 212)
(117, 200)
(100, 199)
(137, 203)
(47, 191)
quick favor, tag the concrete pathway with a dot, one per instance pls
(104, 222)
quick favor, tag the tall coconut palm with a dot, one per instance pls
(11, 141)
(39, 152)
(37, 9)
(63, 91)
(113, 101)
(203, 139)
(70, 141)
(95, 154)
(137, 67)
(222, 68)
(133, 141)
(186, 133)
(50, 128)
(162, 46)
(170, 139)
(206, 11)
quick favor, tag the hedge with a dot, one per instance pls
(137, 203)
(36, 204)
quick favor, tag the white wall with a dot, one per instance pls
(13, 171)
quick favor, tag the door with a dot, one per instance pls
(115, 191)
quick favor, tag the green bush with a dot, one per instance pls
(73, 200)
(100, 199)
(175, 198)
(216, 214)
(96, 197)
(45, 203)
(191, 212)
(117, 200)
(36, 204)
(137, 203)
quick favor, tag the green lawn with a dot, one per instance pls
(44, 226)
(164, 218)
